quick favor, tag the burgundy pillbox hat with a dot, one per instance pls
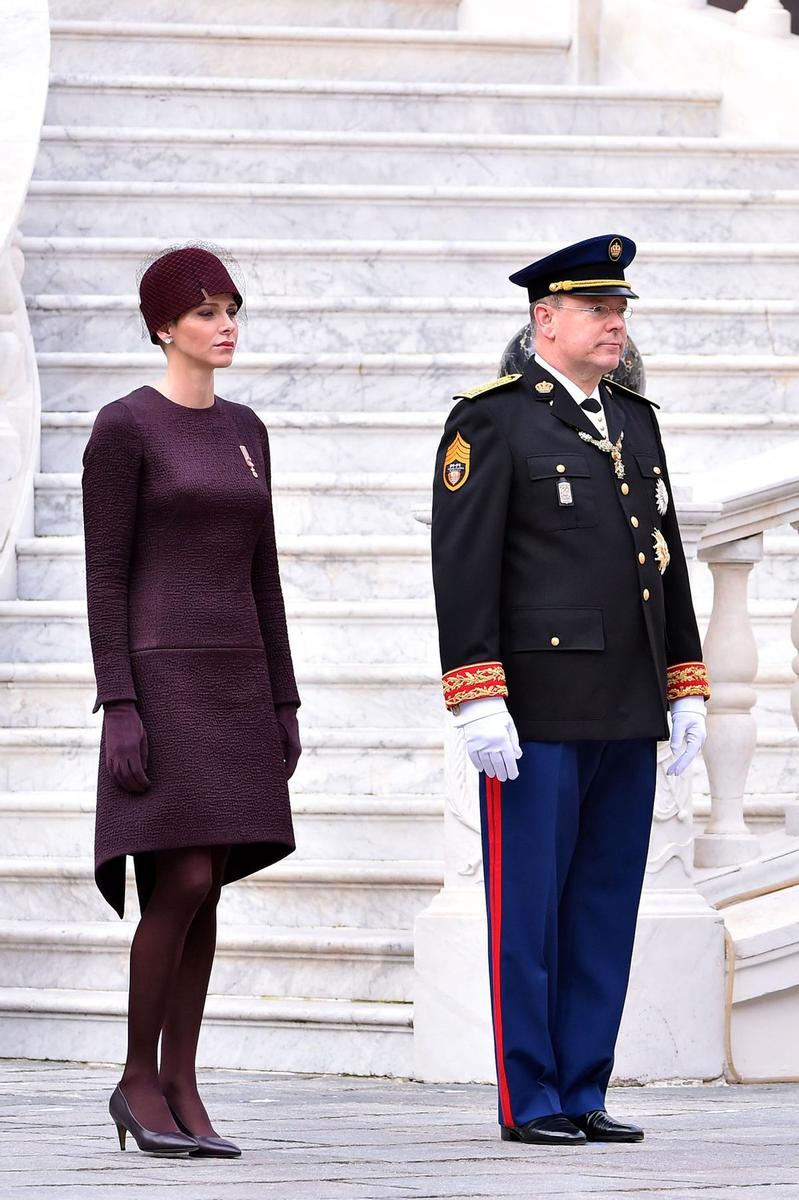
(176, 281)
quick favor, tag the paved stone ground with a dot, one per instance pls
(339, 1138)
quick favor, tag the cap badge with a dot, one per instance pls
(614, 250)
(544, 387)
(662, 556)
(456, 463)
(661, 497)
(249, 461)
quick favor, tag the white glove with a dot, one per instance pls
(688, 731)
(492, 742)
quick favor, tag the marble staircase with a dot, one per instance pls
(375, 172)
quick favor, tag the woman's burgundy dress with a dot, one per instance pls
(186, 617)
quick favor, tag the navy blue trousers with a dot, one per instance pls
(564, 853)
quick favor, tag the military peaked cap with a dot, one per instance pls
(592, 267)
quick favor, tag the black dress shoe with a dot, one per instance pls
(556, 1130)
(598, 1126)
(150, 1142)
(207, 1146)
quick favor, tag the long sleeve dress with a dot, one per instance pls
(186, 618)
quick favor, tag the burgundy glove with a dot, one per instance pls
(125, 745)
(289, 736)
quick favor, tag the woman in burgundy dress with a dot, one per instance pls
(194, 673)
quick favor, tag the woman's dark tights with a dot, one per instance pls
(170, 964)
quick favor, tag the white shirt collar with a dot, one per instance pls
(574, 389)
(597, 419)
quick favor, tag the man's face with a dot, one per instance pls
(590, 331)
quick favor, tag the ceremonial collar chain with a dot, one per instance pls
(607, 447)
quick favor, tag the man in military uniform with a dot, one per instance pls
(567, 632)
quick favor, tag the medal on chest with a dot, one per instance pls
(607, 447)
(249, 461)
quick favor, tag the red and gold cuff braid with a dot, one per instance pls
(474, 682)
(687, 679)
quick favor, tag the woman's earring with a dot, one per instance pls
(168, 341)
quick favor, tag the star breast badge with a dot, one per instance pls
(661, 497)
(662, 556)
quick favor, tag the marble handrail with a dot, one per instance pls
(24, 70)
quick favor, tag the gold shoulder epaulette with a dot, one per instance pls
(628, 391)
(491, 386)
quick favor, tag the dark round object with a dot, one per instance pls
(520, 348)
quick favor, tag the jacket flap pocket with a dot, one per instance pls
(649, 465)
(557, 629)
(551, 466)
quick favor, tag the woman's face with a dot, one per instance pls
(207, 333)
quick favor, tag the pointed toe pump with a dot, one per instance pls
(164, 1144)
(208, 1147)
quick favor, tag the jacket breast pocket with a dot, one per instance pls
(556, 629)
(651, 471)
(561, 491)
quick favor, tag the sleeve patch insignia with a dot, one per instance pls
(456, 463)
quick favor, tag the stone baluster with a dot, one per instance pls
(731, 657)
(765, 16)
(792, 808)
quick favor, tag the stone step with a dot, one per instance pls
(424, 324)
(77, 266)
(371, 504)
(338, 696)
(362, 502)
(343, 826)
(301, 156)
(294, 52)
(409, 440)
(326, 963)
(216, 211)
(391, 107)
(320, 568)
(250, 1032)
(322, 632)
(291, 894)
(404, 14)
(369, 640)
(390, 384)
(379, 762)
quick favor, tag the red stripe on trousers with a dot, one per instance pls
(494, 798)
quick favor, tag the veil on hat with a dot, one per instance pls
(228, 260)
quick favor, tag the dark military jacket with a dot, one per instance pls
(559, 583)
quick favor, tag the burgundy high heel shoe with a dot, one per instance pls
(164, 1144)
(207, 1147)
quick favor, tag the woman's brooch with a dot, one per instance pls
(607, 447)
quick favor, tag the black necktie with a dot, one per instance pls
(591, 405)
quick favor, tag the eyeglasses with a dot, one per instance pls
(600, 312)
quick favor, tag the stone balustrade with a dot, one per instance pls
(24, 70)
(732, 544)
